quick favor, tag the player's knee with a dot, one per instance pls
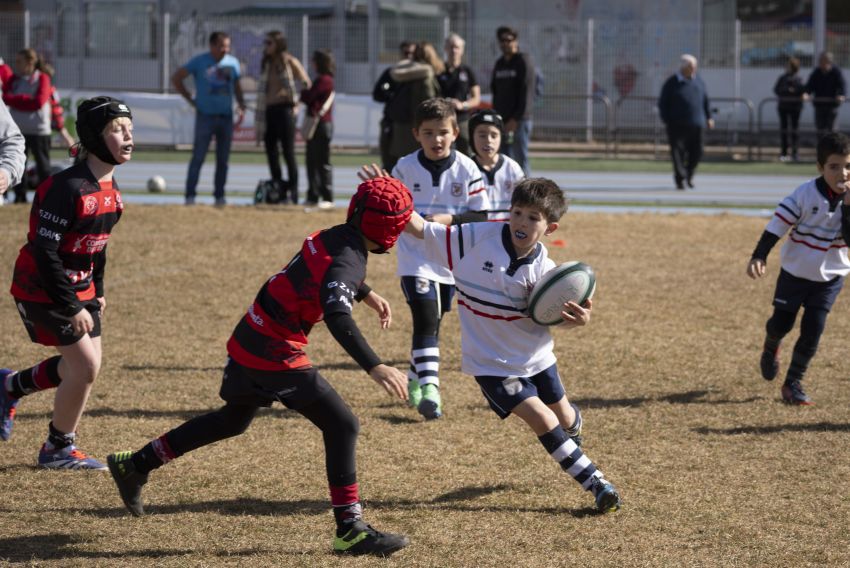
(234, 419)
(349, 425)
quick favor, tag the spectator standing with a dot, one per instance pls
(57, 113)
(827, 90)
(216, 75)
(27, 93)
(789, 89)
(417, 82)
(512, 85)
(13, 156)
(277, 99)
(685, 111)
(319, 102)
(384, 92)
(459, 85)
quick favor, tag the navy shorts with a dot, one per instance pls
(504, 394)
(793, 292)
(47, 326)
(416, 288)
(293, 389)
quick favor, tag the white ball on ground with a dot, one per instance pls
(572, 281)
(156, 184)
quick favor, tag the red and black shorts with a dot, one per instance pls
(294, 389)
(47, 326)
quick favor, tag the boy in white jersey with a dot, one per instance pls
(495, 266)
(814, 262)
(500, 172)
(447, 188)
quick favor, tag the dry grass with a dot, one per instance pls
(714, 471)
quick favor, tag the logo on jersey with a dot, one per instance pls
(254, 317)
(814, 209)
(66, 329)
(488, 267)
(52, 217)
(48, 234)
(90, 205)
(457, 189)
(416, 187)
(311, 246)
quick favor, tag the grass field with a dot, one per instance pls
(714, 471)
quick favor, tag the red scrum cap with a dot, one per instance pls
(380, 209)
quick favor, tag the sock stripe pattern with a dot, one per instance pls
(425, 360)
(163, 450)
(43, 376)
(569, 456)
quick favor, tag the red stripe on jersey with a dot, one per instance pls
(811, 246)
(482, 188)
(783, 218)
(247, 359)
(449, 247)
(486, 315)
(316, 257)
(107, 200)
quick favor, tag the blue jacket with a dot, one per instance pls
(684, 102)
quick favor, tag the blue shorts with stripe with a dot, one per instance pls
(505, 393)
(793, 292)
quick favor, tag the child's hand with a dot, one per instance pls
(381, 306)
(102, 302)
(372, 171)
(393, 380)
(82, 322)
(755, 268)
(575, 315)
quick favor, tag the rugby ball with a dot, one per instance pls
(156, 184)
(572, 280)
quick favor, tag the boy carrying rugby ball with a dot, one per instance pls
(495, 266)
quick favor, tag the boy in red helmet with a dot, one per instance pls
(267, 363)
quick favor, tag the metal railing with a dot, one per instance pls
(806, 134)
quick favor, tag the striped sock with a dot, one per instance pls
(569, 456)
(425, 357)
(43, 376)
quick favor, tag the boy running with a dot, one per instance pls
(813, 263)
(58, 279)
(447, 188)
(495, 266)
(267, 363)
(501, 173)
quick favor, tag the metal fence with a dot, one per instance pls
(600, 77)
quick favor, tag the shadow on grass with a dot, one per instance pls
(64, 546)
(687, 397)
(768, 430)
(331, 366)
(275, 411)
(462, 499)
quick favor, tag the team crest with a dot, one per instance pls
(457, 189)
(90, 204)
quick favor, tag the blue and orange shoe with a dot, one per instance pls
(7, 407)
(68, 457)
(793, 394)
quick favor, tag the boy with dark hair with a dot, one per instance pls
(814, 262)
(58, 283)
(501, 173)
(447, 188)
(509, 355)
(267, 363)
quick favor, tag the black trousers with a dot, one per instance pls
(319, 170)
(825, 116)
(789, 125)
(39, 146)
(280, 130)
(685, 150)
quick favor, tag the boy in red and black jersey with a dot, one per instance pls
(58, 279)
(267, 362)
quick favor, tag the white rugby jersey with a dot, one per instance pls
(500, 182)
(815, 249)
(498, 337)
(454, 189)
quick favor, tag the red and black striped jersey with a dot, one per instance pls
(64, 257)
(320, 282)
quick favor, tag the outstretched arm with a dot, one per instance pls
(381, 307)
(416, 226)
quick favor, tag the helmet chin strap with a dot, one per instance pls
(100, 150)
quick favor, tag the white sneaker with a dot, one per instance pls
(325, 205)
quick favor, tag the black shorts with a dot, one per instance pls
(416, 288)
(293, 389)
(793, 292)
(47, 327)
